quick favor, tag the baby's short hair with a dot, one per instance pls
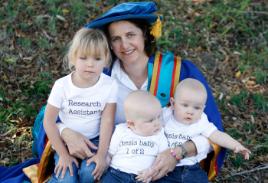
(192, 84)
(138, 103)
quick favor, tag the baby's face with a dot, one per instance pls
(188, 106)
(149, 124)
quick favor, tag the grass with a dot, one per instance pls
(240, 100)
(260, 103)
(261, 76)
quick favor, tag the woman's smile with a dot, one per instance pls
(128, 52)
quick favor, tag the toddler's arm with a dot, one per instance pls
(65, 159)
(106, 130)
(225, 140)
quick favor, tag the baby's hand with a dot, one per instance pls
(65, 162)
(143, 176)
(242, 150)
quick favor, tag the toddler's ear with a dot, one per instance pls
(172, 103)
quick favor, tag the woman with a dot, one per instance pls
(132, 42)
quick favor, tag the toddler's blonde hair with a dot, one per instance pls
(86, 42)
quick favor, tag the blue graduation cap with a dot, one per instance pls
(130, 10)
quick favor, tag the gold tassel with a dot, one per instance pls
(156, 29)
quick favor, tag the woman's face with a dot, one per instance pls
(127, 41)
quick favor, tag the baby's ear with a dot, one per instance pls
(130, 123)
(172, 103)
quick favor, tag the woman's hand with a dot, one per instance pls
(166, 163)
(163, 164)
(78, 145)
(101, 165)
(65, 163)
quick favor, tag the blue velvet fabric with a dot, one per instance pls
(14, 174)
(124, 11)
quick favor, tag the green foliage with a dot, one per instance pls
(39, 21)
(10, 60)
(10, 11)
(26, 107)
(52, 27)
(43, 43)
(5, 115)
(178, 32)
(249, 127)
(222, 105)
(262, 146)
(261, 76)
(24, 26)
(240, 99)
(53, 7)
(39, 89)
(227, 17)
(43, 84)
(255, 58)
(260, 102)
(234, 132)
(21, 109)
(79, 11)
(25, 43)
(237, 160)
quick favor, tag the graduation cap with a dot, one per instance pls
(131, 10)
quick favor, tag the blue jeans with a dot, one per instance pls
(82, 174)
(116, 176)
(185, 174)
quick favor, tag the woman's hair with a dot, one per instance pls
(150, 42)
(86, 42)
